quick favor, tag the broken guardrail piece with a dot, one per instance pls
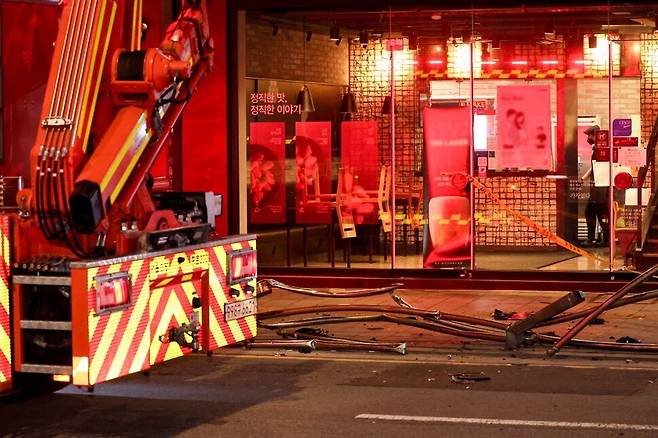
(514, 335)
(346, 294)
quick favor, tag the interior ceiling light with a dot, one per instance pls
(364, 38)
(436, 17)
(386, 107)
(348, 103)
(413, 41)
(334, 33)
(304, 97)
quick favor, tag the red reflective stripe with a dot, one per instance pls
(219, 313)
(114, 345)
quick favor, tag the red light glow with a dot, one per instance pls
(113, 293)
(519, 62)
(243, 266)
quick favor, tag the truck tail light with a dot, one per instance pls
(242, 266)
(112, 292)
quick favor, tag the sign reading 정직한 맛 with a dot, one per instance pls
(271, 104)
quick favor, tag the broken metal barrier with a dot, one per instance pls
(594, 313)
(304, 346)
(358, 293)
(337, 343)
(514, 335)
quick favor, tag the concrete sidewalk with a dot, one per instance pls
(639, 321)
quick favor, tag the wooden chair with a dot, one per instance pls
(337, 200)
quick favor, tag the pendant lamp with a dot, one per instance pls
(304, 97)
(386, 108)
(348, 104)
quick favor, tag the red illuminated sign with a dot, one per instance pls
(625, 141)
(242, 266)
(602, 138)
(113, 292)
(602, 153)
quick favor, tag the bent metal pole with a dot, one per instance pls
(602, 308)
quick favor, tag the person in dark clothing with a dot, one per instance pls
(597, 209)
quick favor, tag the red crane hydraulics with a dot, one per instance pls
(109, 277)
(89, 170)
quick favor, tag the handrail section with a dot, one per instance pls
(644, 221)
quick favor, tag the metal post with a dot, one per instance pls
(611, 197)
(393, 163)
(471, 192)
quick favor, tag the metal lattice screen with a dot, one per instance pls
(370, 81)
(535, 198)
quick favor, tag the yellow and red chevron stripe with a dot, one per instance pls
(5, 340)
(127, 340)
(222, 332)
(170, 306)
(119, 340)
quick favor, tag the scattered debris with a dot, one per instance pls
(499, 315)
(462, 326)
(469, 378)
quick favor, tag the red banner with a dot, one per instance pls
(313, 164)
(359, 161)
(267, 189)
(447, 150)
(524, 127)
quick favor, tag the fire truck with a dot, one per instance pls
(102, 275)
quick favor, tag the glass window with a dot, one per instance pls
(477, 139)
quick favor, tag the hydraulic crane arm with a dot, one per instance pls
(148, 82)
(76, 186)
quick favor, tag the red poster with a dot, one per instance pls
(359, 163)
(524, 127)
(447, 151)
(313, 164)
(267, 189)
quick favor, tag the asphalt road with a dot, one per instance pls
(261, 394)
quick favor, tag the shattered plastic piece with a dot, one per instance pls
(628, 340)
(519, 315)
